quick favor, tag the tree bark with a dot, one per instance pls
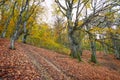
(74, 45)
(25, 33)
(104, 47)
(116, 49)
(3, 34)
(16, 35)
(93, 49)
(13, 38)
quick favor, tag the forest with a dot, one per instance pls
(77, 27)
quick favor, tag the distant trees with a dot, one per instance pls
(59, 27)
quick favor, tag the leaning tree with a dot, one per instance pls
(25, 10)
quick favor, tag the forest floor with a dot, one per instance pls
(27, 62)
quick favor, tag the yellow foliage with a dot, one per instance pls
(42, 37)
(110, 16)
(1, 28)
(80, 22)
(88, 5)
(75, 1)
(96, 29)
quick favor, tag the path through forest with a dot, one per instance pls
(32, 63)
(40, 62)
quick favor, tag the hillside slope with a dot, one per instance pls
(31, 63)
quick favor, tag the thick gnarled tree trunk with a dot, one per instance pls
(74, 45)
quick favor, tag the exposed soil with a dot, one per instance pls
(27, 62)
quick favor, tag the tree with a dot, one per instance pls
(18, 23)
(76, 8)
(6, 24)
(58, 28)
(26, 9)
(29, 16)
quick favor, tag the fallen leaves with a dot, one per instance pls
(82, 70)
(14, 64)
(17, 65)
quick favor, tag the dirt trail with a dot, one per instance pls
(39, 67)
(40, 63)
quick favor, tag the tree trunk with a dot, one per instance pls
(74, 46)
(12, 43)
(119, 51)
(93, 49)
(80, 42)
(16, 35)
(80, 48)
(115, 45)
(24, 38)
(25, 33)
(3, 34)
(104, 47)
(13, 38)
(92, 45)
(105, 50)
(116, 50)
